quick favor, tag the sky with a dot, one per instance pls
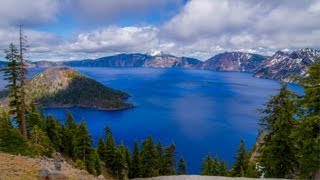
(87, 29)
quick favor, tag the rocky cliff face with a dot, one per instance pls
(233, 61)
(286, 66)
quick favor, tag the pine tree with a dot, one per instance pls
(34, 118)
(69, 136)
(215, 166)
(169, 160)
(207, 166)
(11, 73)
(110, 152)
(135, 170)
(307, 133)
(223, 168)
(54, 132)
(101, 149)
(22, 76)
(241, 164)
(40, 142)
(93, 163)
(278, 152)
(11, 139)
(160, 159)
(120, 162)
(128, 161)
(97, 163)
(182, 167)
(149, 158)
(83, 143)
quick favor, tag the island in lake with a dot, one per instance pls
(66, 87)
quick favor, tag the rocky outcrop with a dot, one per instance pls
(233, 61)
(22, 167)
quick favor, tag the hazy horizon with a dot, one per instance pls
(74, 30)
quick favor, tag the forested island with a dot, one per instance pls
(65, 87)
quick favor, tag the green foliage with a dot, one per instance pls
(222, 168)
(34, 118)
(83, 142)
(213, 167)
(80, 164)
(135, 170)
(11, 72)
(110, 155)
(81, 91)
(96, 162)
(149, 158)
(101, 149)
(69, 136)
(169, 160)
(120, 164)
(207, 166)
(54, 132)
(278, 152)
(182, 167)
(41, 144)
(307, 132)
(241, 164)
(11, 139)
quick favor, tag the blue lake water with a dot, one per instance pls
(200, 111)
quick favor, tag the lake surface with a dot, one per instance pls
(200, 111)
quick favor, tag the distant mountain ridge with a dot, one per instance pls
(233, 61)
(287, 66)
(160, 60)
(281, 66)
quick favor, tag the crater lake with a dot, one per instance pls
(200, 111)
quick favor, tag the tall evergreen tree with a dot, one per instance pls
(69, 135)
(207, 166)
(22, 76)
(278, 150)
(34, 118)
(120, 162)
(223, 168)
(182, 167)
(128, 161)
(11, 73)
(54, 132)
(110, 151)
(215, 166)
(160, 159)
(241, 164)
(307, 133)
(169, 160)
(83, 143)
(40, 141)
(149, 158)
(135, 170)
(101, 149)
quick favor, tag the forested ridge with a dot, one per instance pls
(290, 147)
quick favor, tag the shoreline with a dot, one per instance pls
(130, 106)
